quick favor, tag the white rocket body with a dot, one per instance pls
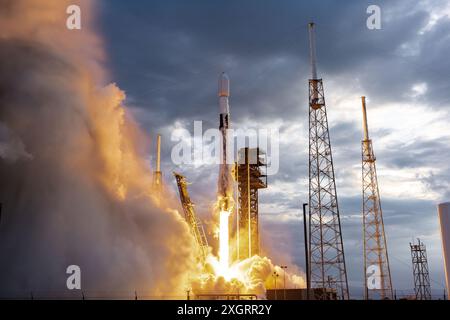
(224, 107)
(224, 183)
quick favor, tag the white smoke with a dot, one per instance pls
(83, 196)
(250, 276)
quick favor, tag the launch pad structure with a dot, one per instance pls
(247, 173)
(327, 273)
(250, 178)
(226, 296)
(193, 221)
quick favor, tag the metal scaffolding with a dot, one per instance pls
(250, 178)
(191, 218)
(377, 274)
(326, 250)
(422, 287)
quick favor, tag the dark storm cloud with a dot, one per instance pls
(167, 57)
(169, 52)
(416, 154)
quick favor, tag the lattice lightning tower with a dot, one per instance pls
(377, 274)
(326, 249)
(422, 287)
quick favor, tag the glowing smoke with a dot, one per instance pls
(74, 186)
(253, 275)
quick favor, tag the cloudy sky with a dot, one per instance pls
(167, 56)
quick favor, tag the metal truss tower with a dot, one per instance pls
(191, 218)
(250, 178)
(422, 286)
(326, 249)
(377, 274)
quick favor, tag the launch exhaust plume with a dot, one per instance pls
(75, 188)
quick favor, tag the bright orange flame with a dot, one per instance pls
(222, 275)
(251, 275)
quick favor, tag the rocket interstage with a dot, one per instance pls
(224, 183)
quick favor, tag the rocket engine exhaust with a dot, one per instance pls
(224, 240)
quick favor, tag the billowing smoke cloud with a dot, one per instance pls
(74, 186)
(250, 276)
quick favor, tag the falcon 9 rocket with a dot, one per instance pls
(225, 190)
(224, 183)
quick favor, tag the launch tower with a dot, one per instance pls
(193, 221)
(250, 178)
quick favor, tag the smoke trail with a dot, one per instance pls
(74, 186)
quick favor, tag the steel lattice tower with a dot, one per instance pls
(250, 178)
(326, 249)
(192, 220)
(377, 274)
(422, 287)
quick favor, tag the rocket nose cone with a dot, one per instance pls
(224, 85)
